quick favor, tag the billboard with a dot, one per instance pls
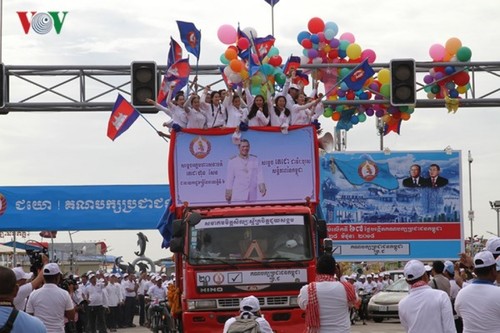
(96, 207)
(265, 167)
(397, 206)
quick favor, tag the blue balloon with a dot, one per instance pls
(354, 119)
(332, 26)
(303, 35)
(449, 70)
(315, 39)
(453, 93)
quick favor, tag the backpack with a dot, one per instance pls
(244, 325)
(9, 324)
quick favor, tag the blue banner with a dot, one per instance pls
(100, 207)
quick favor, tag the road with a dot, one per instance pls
(389, 326)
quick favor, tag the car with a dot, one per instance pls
(384, 304)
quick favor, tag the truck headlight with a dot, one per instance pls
(294, 301)
(202, 304)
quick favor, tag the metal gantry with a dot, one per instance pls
(94, 88)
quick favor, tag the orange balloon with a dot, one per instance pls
(405, 116)
(452, 45)
(230, 54)
(236, 65)
(336, 116)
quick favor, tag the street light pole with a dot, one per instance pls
(471, 212)
(495, 205)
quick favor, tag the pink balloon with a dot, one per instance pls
(369, 54)
(227, 34)
(437, 52)
(348, 37)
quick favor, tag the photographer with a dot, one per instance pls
(70, 284)
(25, 289)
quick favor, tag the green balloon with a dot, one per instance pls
(464, 54)
(328, 112)
(427, 88)
(280, 78)
(339, 108)
(435, 89)
(344, 72)
(385, 90)
(361, 117)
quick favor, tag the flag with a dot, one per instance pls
(253, 67)
(174, 53)
(177, 75)
(364, 169)
(293, 63)
(392, 126)
(164, 226)
(122, 117)
(272, 2)
(191, 37)
(263, 45)
(358, 76)
(301, 77)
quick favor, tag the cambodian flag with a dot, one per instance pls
(392, 127)
(364, 169)
(177, 75)
(164, 226)
(358, 76)
(293, 62)
(122, 117)
(174, 53)
(263, 45)
(191, 37)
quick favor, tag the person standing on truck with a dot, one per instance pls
(327, 301)
(244, 175)
(249, 314)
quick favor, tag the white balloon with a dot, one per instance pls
(250, 32)
(304, 60)
(235, 78)
(228, 71)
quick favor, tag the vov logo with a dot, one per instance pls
(42, 23)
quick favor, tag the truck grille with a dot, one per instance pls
(265, 302)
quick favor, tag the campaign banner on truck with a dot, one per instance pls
(397, 206)
(263, 167)
(89, 207)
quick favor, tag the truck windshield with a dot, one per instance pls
(250, 239)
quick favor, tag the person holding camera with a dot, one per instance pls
(50, 303)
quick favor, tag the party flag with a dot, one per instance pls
(122, 117)
(191, 37)
(164, 226)
(393, 126)
(364, 169)
(174, 53)
(293, 63)
(358, 76)
(301, 77)
(272, 2)
(176, 75)
(263, 45)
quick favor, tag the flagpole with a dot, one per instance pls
(149, 123)
(272, 16)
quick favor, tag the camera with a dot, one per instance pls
(67, 281)
(328, 246)
(36, 260)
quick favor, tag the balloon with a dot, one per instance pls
(303, 35)
(353, 51)
(449, 70)
(228, 71)
(328, 112)
(315, 39)
(273, 51)
(379, 113)
(384, 76)
(435, 89)
(333, 27)
(428, 79)
(385, 90)
(280, 78)
(437, 52)
(334, 43)
(452, 45)
(223, 59)
(348, 37)
(464, 54)
(266, 69)
(405, 116)
(354, 119)
(236, 65)
(329, 34)
(230, 54)
(235, 78)
(453, 93)
(370, 112)
(275, 60)
(250, 32)
(312, 53)
(461, 78)
(316, 25)
(343, 44)
(306, 43)
(304, 60)
(243, 43)
(336, 116)
(369, 54)
(461, 89)
(227, 34)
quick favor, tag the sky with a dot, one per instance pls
(56, 148)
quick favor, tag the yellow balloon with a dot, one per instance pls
(353, 51)
(386, 118)
(384, 76)
(244, 74)
(452, 45)
(431, 95)
(462, 89)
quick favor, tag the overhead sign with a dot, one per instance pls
(100, 207)
(265, 167)
(401, 206)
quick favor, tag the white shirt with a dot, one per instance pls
(157, 293)
(333, 306)
(280, 121)
(49, 304)
(196, 119)
(96, 294)
(23, 293)
(479, 307)
(114, 294)
(264, 325)
(130, 285)
(426, 310)
(243, 177)
(142, 287)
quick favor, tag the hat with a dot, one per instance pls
(428, 268)
(294, 86)
(91, 276)
(362, 277)
(250, 303)
(20, 274)
(125, 275)
(498, 264)
(414, 269)
(353, 276)
(493, 245)
(449, 267)
(51, 269)
(484, 259)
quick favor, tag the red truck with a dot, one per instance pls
(225, 250)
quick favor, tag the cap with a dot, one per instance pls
(362, 277)
(498, 264)
(125, 275)
(414, 269)
(20, 274)
(353, 276)
(91, 276)
(294, 86)
(449, 267)
(51, 269)
(484, 259)
(428, 268)
(250, 303)
(493, 245)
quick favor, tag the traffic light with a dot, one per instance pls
(3, 88)
(144, 79)
(403, 90)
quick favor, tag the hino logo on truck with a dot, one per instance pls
(211, 290)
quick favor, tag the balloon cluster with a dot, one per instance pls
(448, 82)
(263, 70)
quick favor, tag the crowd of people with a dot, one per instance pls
(90, 303)
(231, 108)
